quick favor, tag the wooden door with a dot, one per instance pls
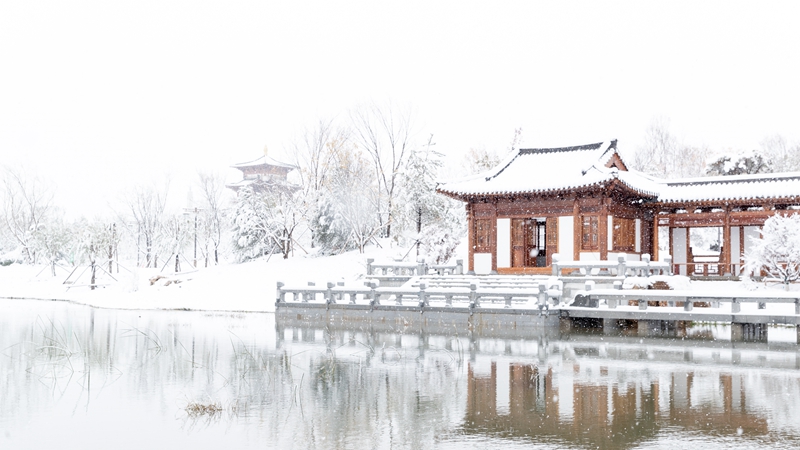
(518, 242)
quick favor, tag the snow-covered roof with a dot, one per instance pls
(264, 160)
(541, 170)
(538, 170)
(731, 187)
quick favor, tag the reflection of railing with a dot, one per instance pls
(472, 296)
(620, 267)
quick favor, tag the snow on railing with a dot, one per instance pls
(591, 298)
(397, 268)
(622, 267)
(534, 295)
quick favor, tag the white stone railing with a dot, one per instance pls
(621, 268)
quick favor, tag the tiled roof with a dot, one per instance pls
(733, 187)
(537, 170)
(558, 169)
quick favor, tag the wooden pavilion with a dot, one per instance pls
(583, 203)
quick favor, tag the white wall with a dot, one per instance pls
(610, 233)
(589, 256)
(566, 243)
(679, 248)
(735, 247)
(482, 263)
(503, 242)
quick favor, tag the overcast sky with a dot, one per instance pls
(95, 95)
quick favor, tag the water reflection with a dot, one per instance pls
(237, 381)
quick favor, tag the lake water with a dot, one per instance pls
(78, 377)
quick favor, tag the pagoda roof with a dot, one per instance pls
(264, 160)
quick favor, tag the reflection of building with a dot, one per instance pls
(583, 203)
(594, 406)
(264, 173)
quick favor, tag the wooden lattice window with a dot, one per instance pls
(483, 235)
(589, 239)
(624, 235)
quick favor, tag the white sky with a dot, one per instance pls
(98, 95)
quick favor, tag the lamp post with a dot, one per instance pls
(194, 210)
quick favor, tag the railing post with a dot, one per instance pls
(736, 306)
(369, 265)
(797, 306)
(307, 295)
(507, 299)
(642, 304)
(668, 260)
(459, 267)
(448, 300)
(374, 298)
(620, 265)
(762, 305)
(474, 301)
(688, 304)
(279, 297)
(329, 294)
(612, 303)
(647, 269)
(423, 296)
(422, 268)
(556, 257)
(542, 296)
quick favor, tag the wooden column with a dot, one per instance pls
(470, 237)
(576, 231)
(725, 257)
(654, 248)
(602, 232)
(493, 235)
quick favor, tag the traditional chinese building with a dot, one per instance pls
(583, 203)
(263, 173)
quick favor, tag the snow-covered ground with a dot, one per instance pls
(227, 287)
(232, 287)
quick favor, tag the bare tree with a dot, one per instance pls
(145, 207)
(782, 155)
(663, 155)
(27, 201)
(212, 190)
(384, 133)
(315, 154)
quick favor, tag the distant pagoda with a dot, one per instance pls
(264, 173)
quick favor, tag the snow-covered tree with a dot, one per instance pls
(739, 163)
(346, 218)
(264, 222)
(27, 204)
(428, 220)
(777, 252)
